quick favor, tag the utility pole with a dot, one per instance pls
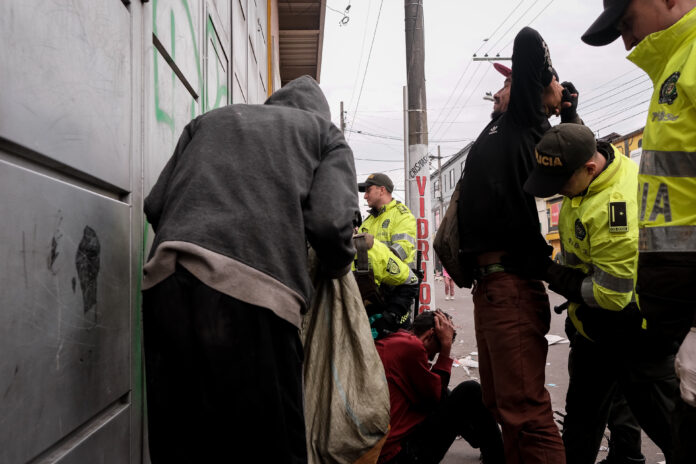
(407, 194)
(418, 174)
(343, 119)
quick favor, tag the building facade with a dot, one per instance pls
(444, 180)
(95, 95)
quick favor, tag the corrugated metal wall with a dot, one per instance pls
(93, 97)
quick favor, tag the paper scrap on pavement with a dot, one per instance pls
(556, 339)
(468, 362)
(474, 353)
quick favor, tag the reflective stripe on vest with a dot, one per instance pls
(611, 282)
(668, 163)
(667, 238)
(587, 292)
(406, 237)
(398, 250)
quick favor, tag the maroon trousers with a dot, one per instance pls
(512, 315)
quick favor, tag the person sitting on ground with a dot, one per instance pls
(425, 416)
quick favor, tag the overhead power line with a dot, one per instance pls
(379, 160)
(621, 86)
(610, 81)
(387, 170)
(466, 68)
(501, 25)
(394, 137)
(613, 103)
(456, 102)
(490, 50)
(616, 113)
(613, 124)
(362, 51)
(446, 128)
(369, 55)
(529, 23)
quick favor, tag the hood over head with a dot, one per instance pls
(302, 93)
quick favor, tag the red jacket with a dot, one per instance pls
(414, 387)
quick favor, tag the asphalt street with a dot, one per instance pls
(461, 309)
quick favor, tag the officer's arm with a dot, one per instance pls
(393, 271)
(566, 281)
(403, 237)
(614, 258)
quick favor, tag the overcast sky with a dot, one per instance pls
(613, 91)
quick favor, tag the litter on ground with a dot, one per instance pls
(556, 339)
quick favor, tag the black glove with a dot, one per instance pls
(565, 281)
(570, 113)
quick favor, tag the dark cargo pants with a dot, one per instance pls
(512, 315)
(667, 298)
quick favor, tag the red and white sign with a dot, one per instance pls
(418, 201)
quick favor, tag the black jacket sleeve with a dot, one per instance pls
(330, 208)
(531, 72)
(566, 281)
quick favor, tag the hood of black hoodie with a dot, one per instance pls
(302, 93)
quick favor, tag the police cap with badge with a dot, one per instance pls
(562, 150)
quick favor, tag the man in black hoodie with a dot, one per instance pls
(505, 253)
(227, 281)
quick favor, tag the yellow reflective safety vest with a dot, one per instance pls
(599, 235)
(387, 268)
(395, 226)
(667, 178)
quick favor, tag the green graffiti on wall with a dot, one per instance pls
(161, 114)
(203, 103)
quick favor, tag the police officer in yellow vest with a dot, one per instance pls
(599, 236)
(375, 268)
(390, 221)
(663, 33)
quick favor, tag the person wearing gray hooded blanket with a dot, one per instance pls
(227, 281)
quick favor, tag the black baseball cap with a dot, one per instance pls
(604, 31)
(562, 150)
(378, 179)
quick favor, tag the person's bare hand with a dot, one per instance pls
(369, 239)
(444, 330)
